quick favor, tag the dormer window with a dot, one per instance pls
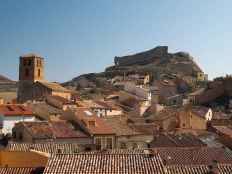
(92, 123)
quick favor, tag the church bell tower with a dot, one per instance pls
(31, 69)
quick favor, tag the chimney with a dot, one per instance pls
(149, 153)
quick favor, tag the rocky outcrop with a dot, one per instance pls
(142, 58)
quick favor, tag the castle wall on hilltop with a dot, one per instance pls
(142, 58)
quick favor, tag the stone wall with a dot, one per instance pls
(142, 58)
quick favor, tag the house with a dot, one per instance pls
(60, 102)
(166, 119)
(12, 114)
(127, 136)
(45, 111)
(195, 117)
(106, 108)
(102, 135)
(19, 162)
(41, 89)
(37, 132)
(225, 134)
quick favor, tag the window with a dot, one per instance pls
(183, 125)
(20, 136)
(92, 123)
(27, 73)
(29, 62)
(24, 62)
(109, 143)
(38, 72)
(98, 143)
(123, 145)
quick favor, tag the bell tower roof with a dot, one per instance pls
(31, 55)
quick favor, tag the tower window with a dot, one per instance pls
(38, 72)
(27, 73)
(29, 62)
(24, 62)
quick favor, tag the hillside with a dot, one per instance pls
(157, 62)
(7, 85)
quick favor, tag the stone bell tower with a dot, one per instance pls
(31, 69)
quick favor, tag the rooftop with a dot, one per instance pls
(30, 55)
(15, 110)
(48, 147)
(171, 140)
(53, 86)
(85, 116)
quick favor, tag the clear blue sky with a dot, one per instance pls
(81, 36)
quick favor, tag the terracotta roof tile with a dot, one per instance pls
(53, 86)
(194, 156)
(15, 110)
(104, 163)
(48, 147)
(170, 140)
(17, 170)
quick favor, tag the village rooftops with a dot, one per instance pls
(194, 155)
(160, 161)
(15, 110)
(93, 124)
(104, 164)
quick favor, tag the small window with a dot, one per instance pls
(24, 62)
(38, 72)
(123, 145)
(92, 123)
(29, 62)
(109, 143)
(183, 125)
(98, 143)
(27, 73)
(20, 136)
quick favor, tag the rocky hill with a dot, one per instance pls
(157, 62)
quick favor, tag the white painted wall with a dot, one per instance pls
(8, 122)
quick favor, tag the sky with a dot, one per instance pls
(84, 36)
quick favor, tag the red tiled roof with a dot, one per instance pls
(15, 110)
(194, 156)
(104, 164)
(226, 130)
(48, 147)
(64, 130)
(51, 130)
(200, 110)
(17, 170)
(85, 115)
(169, 140)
